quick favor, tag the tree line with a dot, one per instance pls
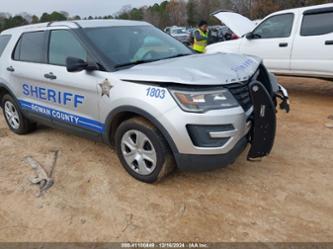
(168, 13)
(190, 12)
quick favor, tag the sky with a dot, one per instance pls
(83, 8)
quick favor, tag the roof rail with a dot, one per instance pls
(63, 23)
(318, 11)
(77, 24)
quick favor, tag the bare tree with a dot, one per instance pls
(26, 16)
(177, 12)
(65, 13)
(152, 17)
(125, 9)
(5, 15)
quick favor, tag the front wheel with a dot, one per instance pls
(143, 151)
(14, 117)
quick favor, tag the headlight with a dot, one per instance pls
(192, 101)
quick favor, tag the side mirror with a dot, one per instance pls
(77, 65)
(249, 36)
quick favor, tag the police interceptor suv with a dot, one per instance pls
(132, 86)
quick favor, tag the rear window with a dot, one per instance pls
(4, 39)
(30, 47)
(317, 24)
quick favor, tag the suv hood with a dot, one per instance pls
(239, 24)
(206, 69)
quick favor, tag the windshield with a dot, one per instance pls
(123, 46)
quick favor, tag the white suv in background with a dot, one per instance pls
(292, 42)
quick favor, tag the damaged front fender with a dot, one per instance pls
(280, 92)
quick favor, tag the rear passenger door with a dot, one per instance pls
(74, 95)
(24, 73)
(313, 48)
(4, 40)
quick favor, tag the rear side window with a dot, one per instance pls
(4, 39)
(30, 47)
(317, 24)
(64, 44)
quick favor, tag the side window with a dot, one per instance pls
(4, 39)
(30, 47)
(317, 24)
(278, 26)
(63, 44)
(17, 51)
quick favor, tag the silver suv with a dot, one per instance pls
(132, 86)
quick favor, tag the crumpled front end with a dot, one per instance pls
(218, 137)
(264, 91)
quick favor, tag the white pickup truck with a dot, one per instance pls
(291, 42)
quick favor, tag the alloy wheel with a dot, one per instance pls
(139, 152)
(12, 115)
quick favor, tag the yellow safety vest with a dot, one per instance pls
(200, 46)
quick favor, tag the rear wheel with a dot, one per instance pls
(143, 151)
(14, 117)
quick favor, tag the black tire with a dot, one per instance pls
(24, 125)
(164, 163)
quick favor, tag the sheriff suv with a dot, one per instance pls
(132, 86)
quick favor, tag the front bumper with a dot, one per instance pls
(255, 126)
(232, 130)
(190, 162)
(177, 123)
(260, 132)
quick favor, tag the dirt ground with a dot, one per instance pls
(286, 197)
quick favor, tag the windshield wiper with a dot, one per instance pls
(133, 63)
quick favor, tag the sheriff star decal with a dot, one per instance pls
(106, 87)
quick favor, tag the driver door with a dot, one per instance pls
(75, 104)
(272, 41)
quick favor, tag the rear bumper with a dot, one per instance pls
(191, 162)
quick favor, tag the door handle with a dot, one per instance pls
(329, 42)
(50, 76)
(10, 69)
(283, 44)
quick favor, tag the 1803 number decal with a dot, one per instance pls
(155, 93)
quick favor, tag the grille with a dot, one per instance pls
(241, 93)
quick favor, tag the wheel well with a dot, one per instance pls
(125, 113)
(116, 121)
(3, 92)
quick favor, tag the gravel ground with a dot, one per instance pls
(288, 196)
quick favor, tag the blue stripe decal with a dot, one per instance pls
(63, 116)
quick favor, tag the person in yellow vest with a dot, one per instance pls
(200, 37)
